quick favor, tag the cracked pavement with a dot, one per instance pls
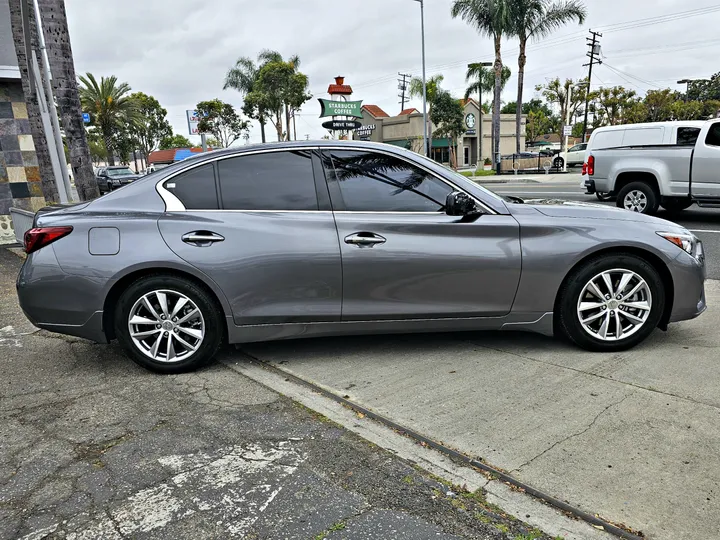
(633, 436)
(92, 446)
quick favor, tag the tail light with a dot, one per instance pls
(40, 237)
(584, 170)
(591, 166)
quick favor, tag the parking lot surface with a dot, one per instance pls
(632, 436)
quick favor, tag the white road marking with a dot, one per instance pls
(546, 193)
(232, 486)
(8, 337)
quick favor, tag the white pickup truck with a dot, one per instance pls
(668, 164)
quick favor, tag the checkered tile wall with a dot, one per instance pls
(19, 172)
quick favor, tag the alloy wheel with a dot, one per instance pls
(614, 305)
(636, 201)
(166, 326)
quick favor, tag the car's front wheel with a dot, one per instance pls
(168, 324)
(611, 303)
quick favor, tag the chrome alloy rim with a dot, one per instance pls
(166, 326)
(636, 201)
(614, 305)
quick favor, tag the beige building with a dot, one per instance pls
(406, 129)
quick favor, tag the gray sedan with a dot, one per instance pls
(325, 238)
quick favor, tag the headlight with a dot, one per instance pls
(116, 182)
(685, 241)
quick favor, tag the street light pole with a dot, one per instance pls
(424, 82)
(687, 91)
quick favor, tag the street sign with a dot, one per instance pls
(341, 125)
(86, 117)
(340, 108)
(567, 131)
(193, 118)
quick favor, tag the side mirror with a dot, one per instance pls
(460, 204)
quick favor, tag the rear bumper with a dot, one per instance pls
(92, 329)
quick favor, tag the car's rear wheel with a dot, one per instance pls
(611, 303)
(603, 196)
(638, 197)
(168, 324)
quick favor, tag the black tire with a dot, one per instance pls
(212, 315)
(568, 323)
(651, 197)
(109, 186)
(558, 162)
(603, 196)
(676, 204)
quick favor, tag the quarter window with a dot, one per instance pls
(195, 188)
(687, 136)
(268, 181)
(713, 136)
(374, 182)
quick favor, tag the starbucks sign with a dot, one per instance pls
(470, 121)
(340, 108)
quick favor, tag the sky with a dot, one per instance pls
(180, 51)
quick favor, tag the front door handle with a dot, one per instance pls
(202, 238)
(364, 239)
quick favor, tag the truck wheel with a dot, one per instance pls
(676, 204)
(638, 197)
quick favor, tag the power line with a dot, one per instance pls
(594, 54)
(402, 86)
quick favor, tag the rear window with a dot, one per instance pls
(643, 136)
(687, 136)
(195, 188)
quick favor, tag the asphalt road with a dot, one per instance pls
(703, 222)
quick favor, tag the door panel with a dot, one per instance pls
(274, 267)
(706, 163)
(429, 266)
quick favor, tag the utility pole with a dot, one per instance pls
(402, 86)
(594, 55)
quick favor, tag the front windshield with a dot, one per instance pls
(119, 172)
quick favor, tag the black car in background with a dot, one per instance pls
(109, 178)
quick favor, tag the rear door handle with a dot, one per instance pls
(364, 239)
(202, 238)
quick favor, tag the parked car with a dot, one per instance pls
(241, 245)
(156, 167)
(668, 164)
(576, 155)
(109, 178)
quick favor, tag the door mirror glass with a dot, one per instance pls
(460, 204)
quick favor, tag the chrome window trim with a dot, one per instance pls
(173, 204)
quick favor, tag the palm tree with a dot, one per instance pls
(242, 77)
(432, 90)
(533, 19)
(110, 107)
(54, 21)
(490, 18)
(482, 80)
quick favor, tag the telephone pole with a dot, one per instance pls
(402, 86)
(594, 55)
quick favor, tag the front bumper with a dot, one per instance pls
(689, 299)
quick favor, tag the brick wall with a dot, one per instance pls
(19, 173)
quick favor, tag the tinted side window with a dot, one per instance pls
(195, 188)
(713, 136)
(687, 136)
(271, 181)
(371, 182)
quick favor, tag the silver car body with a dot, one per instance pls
(288, 274)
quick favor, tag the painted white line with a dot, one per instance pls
(704, 231)
(573, 193)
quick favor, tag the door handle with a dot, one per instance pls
(364, 239)
(202, 238)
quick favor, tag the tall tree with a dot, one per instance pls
(243, 77)
(490, 18)
(449, 117)
(432, 89)
(482, 80)
(705, 90)
(535, 19)
(64, 82)
(556, 92)
(221, 121)
(109, 105)
(49, 187)
(151, 125)
(611, 105)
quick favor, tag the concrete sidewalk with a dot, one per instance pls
(633, 436)
(569, 178)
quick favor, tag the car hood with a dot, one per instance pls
(574, 209)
